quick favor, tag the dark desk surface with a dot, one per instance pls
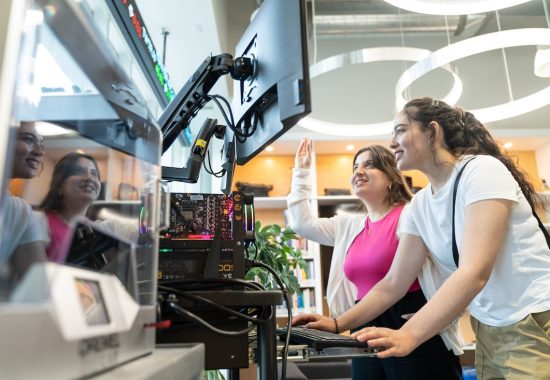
(242, 297)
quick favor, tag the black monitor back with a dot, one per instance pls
(277, 95)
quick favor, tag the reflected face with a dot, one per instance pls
(29, 152)
(410, 144)
(82, 186)
(368, 182)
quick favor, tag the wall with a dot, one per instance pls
(267, 170)
(542, 156)
(528, 162)
(334, 171)
(271, 216)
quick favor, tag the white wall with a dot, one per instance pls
(543, 162)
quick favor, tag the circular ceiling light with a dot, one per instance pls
(453, 7)
(542, 62)
(476, 45)
(369, 55)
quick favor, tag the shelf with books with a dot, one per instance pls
(272, 210)
(304, 302)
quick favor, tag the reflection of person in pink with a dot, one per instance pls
(74, 186)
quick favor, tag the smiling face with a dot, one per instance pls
(29, 152)
(410, 144)
(82, 185)
(368, 182)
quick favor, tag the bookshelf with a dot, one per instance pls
(271, 210)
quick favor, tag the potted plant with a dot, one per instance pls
(274, 248)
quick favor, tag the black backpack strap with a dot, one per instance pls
(543, 229)
(457, 179)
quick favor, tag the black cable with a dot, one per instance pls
(195, 318)
(213, 304)
(254, 126)
(230, 123)
(241, 137)
(208, 168)
(284, 352)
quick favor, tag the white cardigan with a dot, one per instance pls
(338, 231)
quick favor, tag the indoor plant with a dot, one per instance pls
(274, 248)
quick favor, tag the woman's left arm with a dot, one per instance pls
(485, 228)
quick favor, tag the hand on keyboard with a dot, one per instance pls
(319, 340)
(314, 321)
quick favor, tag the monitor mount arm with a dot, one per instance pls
(188, 102)
(190, 172)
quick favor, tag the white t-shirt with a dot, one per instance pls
(20, 225)
(520, 281)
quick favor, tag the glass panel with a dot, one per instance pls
(84, 189)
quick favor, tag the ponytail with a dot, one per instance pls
(464, 134)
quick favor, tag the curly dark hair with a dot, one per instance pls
(384, 160)
(464, 134)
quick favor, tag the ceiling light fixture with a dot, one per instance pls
(477, 45)
(453, 7)
(542, 62)
(48, 129)
(542, 58)
(382, 129)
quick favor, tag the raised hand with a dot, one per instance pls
(303, 155)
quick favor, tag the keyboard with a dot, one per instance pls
(320, 340)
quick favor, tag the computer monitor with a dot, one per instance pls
(277, 95)
(271, 92)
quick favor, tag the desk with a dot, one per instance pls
(227, 351)
(183, 362)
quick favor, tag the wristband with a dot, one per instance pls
(336, 325)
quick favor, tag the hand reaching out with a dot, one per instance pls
(314, 321)
(303, 155)
(396, 342)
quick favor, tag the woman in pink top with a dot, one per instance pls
(74, 186)
(364, 248)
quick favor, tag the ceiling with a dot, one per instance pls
(365, 93)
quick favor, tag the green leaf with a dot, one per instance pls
(214, 374)
(275, 250)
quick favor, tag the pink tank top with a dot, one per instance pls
(60, 238)
(370, 255)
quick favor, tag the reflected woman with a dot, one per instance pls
(22, 241)
(74, 186)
